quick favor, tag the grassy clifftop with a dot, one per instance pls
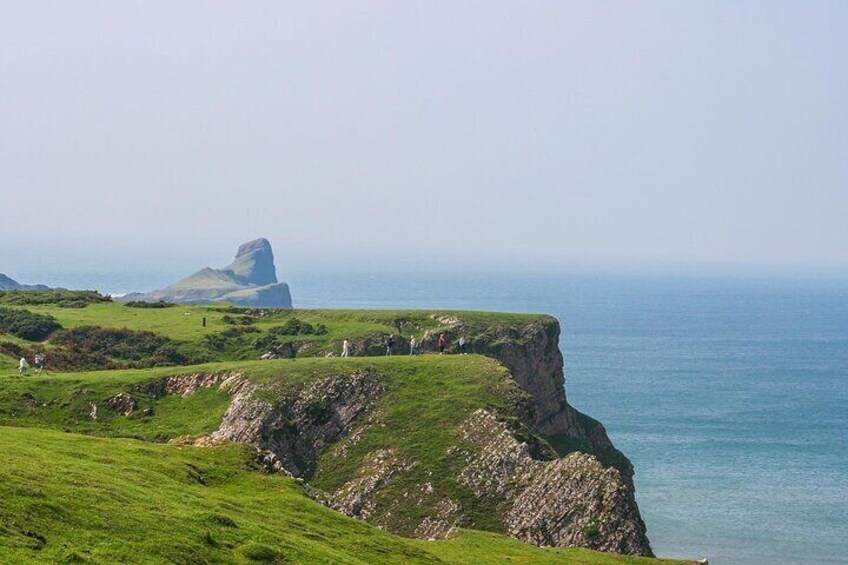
(164, 459)
(181, 334)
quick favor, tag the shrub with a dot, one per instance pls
(27, 325)
(143, 304)
(61, 298)
(90, 347)
(238, 320)
(296, 326)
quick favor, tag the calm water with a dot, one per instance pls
(730, 396)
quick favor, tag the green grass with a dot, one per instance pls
(184, 325)
(66, 498)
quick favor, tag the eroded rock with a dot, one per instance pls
(297, 427)
(122, 403)
(573, 501)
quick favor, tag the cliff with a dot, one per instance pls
(420, 446)
(250, 280)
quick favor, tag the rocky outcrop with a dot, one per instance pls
(298, 427)
(356, 498)
(250, 280)
(572, 501)
(532, 355)
(122, 403)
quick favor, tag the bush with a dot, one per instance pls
(143, 304)
(61, 298)
(296, 326)
(27, 325)
(93, 347)
(238, 320)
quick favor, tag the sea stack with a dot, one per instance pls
(250, 280)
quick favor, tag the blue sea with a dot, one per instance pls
(730, 395)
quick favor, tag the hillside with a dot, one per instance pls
(8, 283)
(125, 501)
(424, 446)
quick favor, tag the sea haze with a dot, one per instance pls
(728, 394)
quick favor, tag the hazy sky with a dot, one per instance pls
(137, 132)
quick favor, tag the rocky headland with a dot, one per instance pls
(250, 280)
(8, 283)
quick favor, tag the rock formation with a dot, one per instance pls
(250, 280)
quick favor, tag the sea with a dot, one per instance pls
(728, 393)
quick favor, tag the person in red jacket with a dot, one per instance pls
(442, 343)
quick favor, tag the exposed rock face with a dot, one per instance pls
(254, 263)
(250, 280)
(123, 403)
(570, 501)
(356, 497)
(298, 427)
(532, 355)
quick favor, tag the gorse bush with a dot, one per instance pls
(93, 347)
(143, 304)
(61, 298)
(27, 325)
(238, 320)
(296, 326)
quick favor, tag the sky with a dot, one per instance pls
(136, 135)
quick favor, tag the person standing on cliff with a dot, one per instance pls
(462, 344)
(442, 343)
(390, 343)
(346, 348)
(413, 345)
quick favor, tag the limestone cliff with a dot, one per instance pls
(526, 464)
(532, 355)
(250, 280)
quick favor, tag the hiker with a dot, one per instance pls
(462, 344)
(39, 363)
(412, 345)
(390, 343)
(346, 348)
(23, 366)
(442, 343)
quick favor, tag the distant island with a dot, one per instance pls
(8, 283)
(250, 280)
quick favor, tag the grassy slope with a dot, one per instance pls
(427, 397)
(71, 498)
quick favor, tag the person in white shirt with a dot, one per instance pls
(413, 345)
(346, 348)
(23, 366)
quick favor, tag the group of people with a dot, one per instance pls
(414, 344)
(37, 363)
